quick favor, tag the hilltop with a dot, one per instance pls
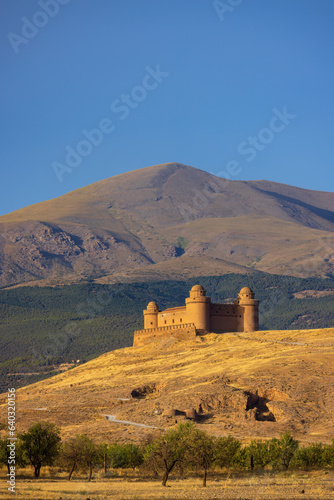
(168, 221)
(58, 321)
(247, 385)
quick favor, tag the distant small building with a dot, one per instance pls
(199, 316)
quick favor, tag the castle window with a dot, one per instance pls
(173, 321)
(165, 322)
(151, 322)
(180, 320)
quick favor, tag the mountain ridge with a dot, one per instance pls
(148, 218)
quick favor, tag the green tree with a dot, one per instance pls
(125, 455)
(105, 455)
(309, 456)
(328, 454)
(227, 450)
(168, 451)
(200, 451)
(4, 456)
(71, 455)
(284, 449)
(134, 455)
(80, 452)
(260, 453)
(90, 453)
(41, 445)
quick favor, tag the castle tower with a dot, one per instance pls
(248, 310)
(151, 315)
(198, 308)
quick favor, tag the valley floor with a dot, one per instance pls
(311, 485)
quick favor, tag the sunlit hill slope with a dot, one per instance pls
(247, 385)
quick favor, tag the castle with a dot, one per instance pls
(199, 316)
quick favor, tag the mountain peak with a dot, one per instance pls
(171, 218)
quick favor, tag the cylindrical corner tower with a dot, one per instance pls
(248, 310)
(151, 315)
(198, 308)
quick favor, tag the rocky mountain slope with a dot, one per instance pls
(247, 385)
(168, 221)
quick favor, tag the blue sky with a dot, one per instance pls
(93, 88)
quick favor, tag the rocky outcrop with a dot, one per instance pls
(36, 250)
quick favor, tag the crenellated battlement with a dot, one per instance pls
(183, 332)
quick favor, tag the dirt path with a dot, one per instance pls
(112, 418)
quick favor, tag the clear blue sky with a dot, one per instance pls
(220, 76)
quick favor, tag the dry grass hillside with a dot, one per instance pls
(247, 385)
(158, 219)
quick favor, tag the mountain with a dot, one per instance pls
(168, 221)
(248, 385)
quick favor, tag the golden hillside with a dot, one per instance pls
(248, 385)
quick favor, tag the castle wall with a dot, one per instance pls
(224, 318)
(173, 316)
(186, 331)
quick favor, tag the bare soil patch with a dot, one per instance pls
(312, 485)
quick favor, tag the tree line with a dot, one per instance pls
(183, 448)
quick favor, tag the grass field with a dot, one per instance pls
(311, 485)
(290, 371)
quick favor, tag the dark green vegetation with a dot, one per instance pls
(44, 327)
(185, 449)
(40, 445)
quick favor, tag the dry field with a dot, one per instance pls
(247, 385)
(313, 485)
(251, 386)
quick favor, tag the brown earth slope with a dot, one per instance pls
(162, 221)
(247, 385)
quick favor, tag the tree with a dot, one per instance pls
(309, 456)
(131, 455)
(227, 450)
(80, 452)
(71, 455)
(41, 445)
(168, 451)
(200, 451)
(284, 449)
(104, 452)
(5, 454)
(123, 456)
(90, 455)
(260, 453)
(328, 454)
